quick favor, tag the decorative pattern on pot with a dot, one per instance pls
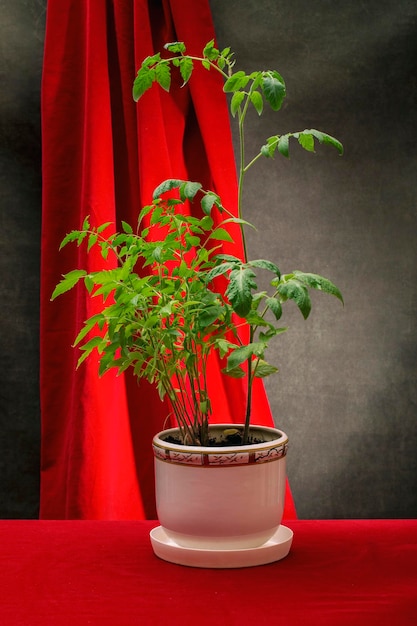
(214, 459)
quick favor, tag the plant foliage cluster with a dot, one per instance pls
(173, 298)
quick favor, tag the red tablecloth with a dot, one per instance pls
(77, 573)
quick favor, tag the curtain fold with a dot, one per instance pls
(102, 156)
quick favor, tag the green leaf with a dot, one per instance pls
(237, 81)
(237, 372)
(209, 315)
(228, 257)
(257, 101)
(177, 47)
(210, 51)
(284, 145)
(163, 75)
(293, 289)
(244, 353)
(238, 356)
(275, 306)
(326, 139)
(238, 220)
(239, 290)
(220, 234)
(206, 222)
(262, 369)
(127, 227)
(236, 101)
(265, 265)
(306, 140)
(192, 240)
(68, 282)
(103, 226)
(89, 283)
(273, 88)
(186, 68)
(88, 325)
(188, 190)
(167, 185)
(88, 347)
(315, 281)
(219, 270)
(268, 150)
(143, 81)
(72, 236)
(208, 201)
(223, 346)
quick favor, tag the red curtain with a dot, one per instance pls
(102, 156)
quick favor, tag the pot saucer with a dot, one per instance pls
(273, 550)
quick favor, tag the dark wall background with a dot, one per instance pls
(346, 392)
(21, 42)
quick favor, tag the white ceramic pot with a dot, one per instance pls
(222, 497)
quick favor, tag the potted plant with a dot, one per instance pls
(172, 301)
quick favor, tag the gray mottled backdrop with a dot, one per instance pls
(346, 392)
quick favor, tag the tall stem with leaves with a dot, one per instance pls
(246, 90)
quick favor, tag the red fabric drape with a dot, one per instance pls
(103, 156)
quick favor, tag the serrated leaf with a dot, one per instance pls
(268, 150)
(208, 201)
(228, 257)
(175, 47)
(273, 88)
(210, 52)
(306, 140)
(72, 236)
(143, 81)
(257, 101)
(262, 369)
(166, 185)
(92, 239)
(192, 240)
(163, 75)
(284, 145)
(219, 270)
(103, 226)
(295, 290)
(236, 81)
(239, 356)
(88, 325)
(68, 282)
(188, 190)
(265, 265)
(88, 347)
(315, 281)
(186, 68)
(237, 372)
(209, 315)
(275, 306)
(224, 346)
(221, 234)
(236, 101)
(239, 290)
(244, 353)
(326, 139)
(206, 222)
(238, 220)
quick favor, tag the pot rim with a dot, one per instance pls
(280, 439)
